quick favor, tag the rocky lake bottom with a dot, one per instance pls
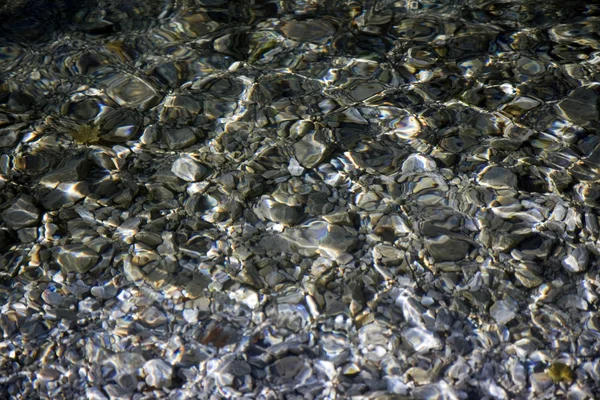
(312, 199)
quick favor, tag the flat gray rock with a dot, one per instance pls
(76, 258)
(73, 171)
(188, 170)
(581, 106)
(65, 193)
(504, 311)
(498, 178)
(21, 214)
(445, 248)
(177, 139)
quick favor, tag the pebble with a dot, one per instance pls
(21, 214)
(277, 212)
(309, 152)
(152, 316)
(577, 261)
(52, 298)
(188, 170)
(504, 311)
(581, 106)
(315, 30)
(65, 194)
(177, 139)
(498, 178)
(127, 382)
(76, 258)
(295, 168)
(73, 171)
(131, 91)
(88, 305)
(158, 373)
(48, 374)
(445, 248)
(94, 393)
(191, 316)
(104, 292)
(421, 340)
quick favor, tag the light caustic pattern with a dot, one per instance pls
(299, 199)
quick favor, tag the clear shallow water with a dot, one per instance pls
(299, 199)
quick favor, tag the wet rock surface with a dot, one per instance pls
(322, 199)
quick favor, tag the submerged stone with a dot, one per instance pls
(21, 214)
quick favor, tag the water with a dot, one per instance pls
(317, 199)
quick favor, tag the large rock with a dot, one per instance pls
(23, 213)
(188, 170)
(581, 106)
(73, 171)
(445, 248)
(76, 258)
